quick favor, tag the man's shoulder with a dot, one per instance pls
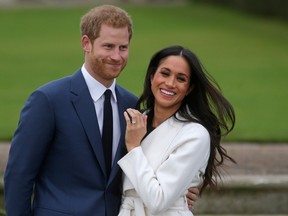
(58, 84)
(124, 92)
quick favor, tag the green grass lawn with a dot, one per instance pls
(248, 56)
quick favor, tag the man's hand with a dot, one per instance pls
(192, 196)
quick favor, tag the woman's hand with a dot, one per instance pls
(135, 128)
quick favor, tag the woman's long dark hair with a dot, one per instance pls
(205, 104)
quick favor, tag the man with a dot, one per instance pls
(57, 152)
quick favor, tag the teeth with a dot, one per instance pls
(166, 92)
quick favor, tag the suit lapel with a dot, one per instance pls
(85, 109)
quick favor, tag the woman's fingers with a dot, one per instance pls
(136, 128)
(135, 117)
(127, 118)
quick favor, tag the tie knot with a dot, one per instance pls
(108, 94)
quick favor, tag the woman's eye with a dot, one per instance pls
(164, 73)
(181, 79)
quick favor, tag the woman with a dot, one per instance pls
(176, 143)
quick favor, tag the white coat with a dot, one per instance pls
(172, 158)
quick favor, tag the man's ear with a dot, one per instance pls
(86, 43)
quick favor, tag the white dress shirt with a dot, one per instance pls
(97, 90)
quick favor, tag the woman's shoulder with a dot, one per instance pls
(191, 135)
(190, 125)
(195, 128)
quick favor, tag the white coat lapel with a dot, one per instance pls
(156, 145)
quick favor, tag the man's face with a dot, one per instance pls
(108, 55)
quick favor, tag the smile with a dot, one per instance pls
(114, 65)
(167, 92)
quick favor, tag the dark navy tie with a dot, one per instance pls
(107, 132)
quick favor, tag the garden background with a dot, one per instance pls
(246, 54)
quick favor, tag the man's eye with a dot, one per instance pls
(108, 46)
(123, 48)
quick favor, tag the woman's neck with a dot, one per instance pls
(161, 115)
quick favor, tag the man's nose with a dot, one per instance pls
(116, 55)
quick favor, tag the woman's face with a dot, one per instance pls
(171, 83)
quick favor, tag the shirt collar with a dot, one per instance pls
(96, 89)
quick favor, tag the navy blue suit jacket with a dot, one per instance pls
(57, 152)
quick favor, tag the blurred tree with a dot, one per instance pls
(267, 8)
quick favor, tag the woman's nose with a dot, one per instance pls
(170, 82)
